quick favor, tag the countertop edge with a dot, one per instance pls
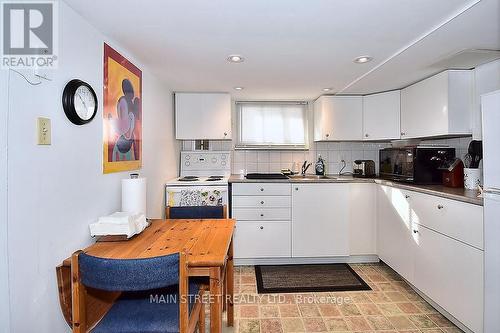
(468, 196)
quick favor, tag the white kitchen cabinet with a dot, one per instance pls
(338, 118)
(362, 219)
(320, 220)
(456, 219)
(263, 213)
(396, 239)
(262, 239)
(202, 116)
(381, 116)
(438, 106)
(451, 274)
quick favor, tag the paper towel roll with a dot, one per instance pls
(134, 195)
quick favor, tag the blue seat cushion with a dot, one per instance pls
(151, 311)
(197, 212)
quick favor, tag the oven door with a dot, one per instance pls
(176, 196)
(397, 164)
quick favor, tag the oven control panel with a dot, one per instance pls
(193, 161)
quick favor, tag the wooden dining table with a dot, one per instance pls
(208, 244)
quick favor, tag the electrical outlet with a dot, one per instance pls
(43, 131)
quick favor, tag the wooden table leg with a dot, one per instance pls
(216, 298)
(230, 286)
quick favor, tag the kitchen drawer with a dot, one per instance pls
(260, 214)
(261, 189)
(259, 239)
(455, 219)
(261, 201)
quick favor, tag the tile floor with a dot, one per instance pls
(392, 306)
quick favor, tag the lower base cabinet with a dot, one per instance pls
(320, 220)
(451, 274)
(396, 244)
(263, 239)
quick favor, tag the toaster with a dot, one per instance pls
(363, 169)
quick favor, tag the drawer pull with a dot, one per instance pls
(261, 189)
(415, 231)
(262, 202)
(440, 206)
(261, 227)
(261, 215)
(296, 189)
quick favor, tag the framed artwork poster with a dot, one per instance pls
(122, 113)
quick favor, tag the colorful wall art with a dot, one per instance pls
(122, 115)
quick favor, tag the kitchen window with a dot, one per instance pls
(272, 125)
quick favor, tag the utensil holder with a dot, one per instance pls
(472, 178)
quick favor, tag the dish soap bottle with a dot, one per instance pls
(320, 166)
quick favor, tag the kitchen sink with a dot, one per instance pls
(310, 177)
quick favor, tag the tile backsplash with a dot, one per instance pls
(332, 152)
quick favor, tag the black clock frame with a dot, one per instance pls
(68, 101)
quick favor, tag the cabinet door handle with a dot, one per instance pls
(296, 189)
(261, 227)
(225, 133)
(407, 196)
(440, 206)
(403, 133)
(415, 231)
(261, 189)
(367, 135)
(327, 135)
(262, 202)
(261, 215)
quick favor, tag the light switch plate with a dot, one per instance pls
(43, 132)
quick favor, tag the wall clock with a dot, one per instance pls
(79, 102)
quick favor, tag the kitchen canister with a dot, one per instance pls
(472, 178)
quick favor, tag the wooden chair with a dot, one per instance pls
(196, 212)
(200, 212)
(154, 298)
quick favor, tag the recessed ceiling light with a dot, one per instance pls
(238, 88)
(235, 58)
(363, 59)
(327, 89)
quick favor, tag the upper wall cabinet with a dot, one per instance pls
(338, 118)
(438, 106)
(202, 116)
(381, 116)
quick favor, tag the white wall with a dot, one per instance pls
(4, 273)
(487, 80)
(56, 191)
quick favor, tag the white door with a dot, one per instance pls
(424, 107)
(396, 242)
(362, 219)
(346, 116)
(202, 116)
(491, 262)
(320, 214)
(381, 116)
(451, 274)
(490, 108)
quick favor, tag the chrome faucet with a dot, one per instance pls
(305, 166)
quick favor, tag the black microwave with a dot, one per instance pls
(415, 164)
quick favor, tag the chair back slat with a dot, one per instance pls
(129, 274)
(196, 212)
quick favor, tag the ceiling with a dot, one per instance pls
(294, 48)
